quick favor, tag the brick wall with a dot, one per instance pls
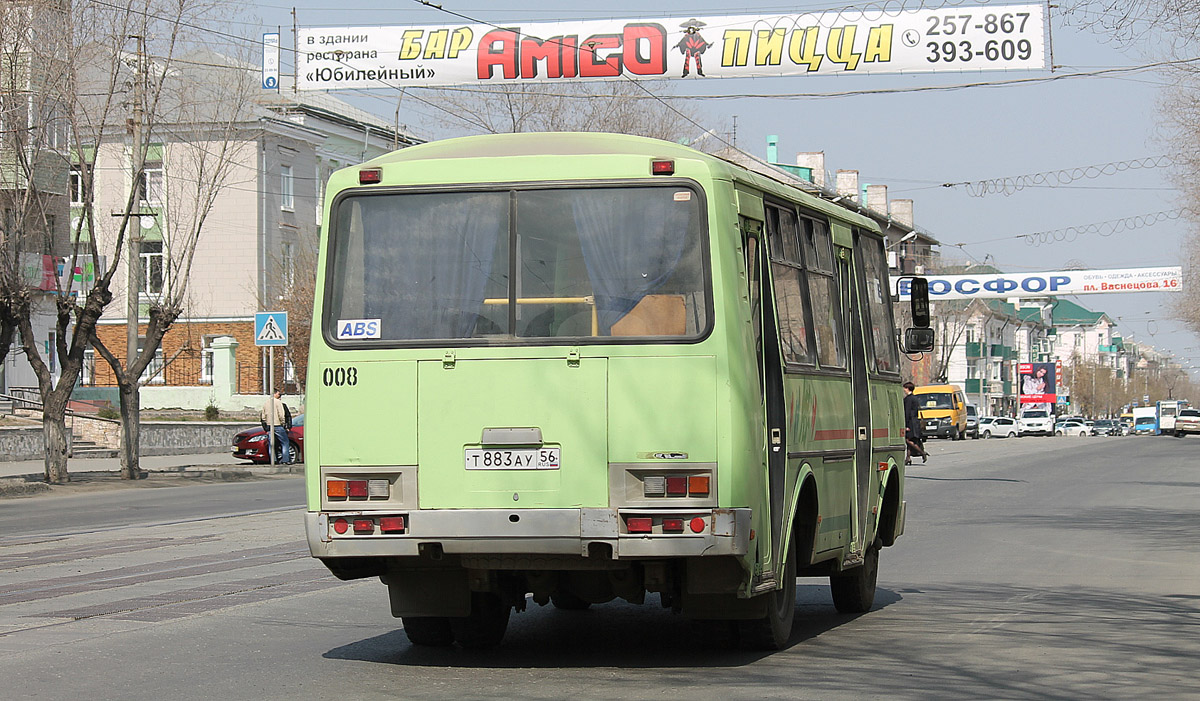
(184, 342)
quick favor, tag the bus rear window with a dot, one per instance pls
(510, 266)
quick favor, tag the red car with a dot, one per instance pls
(252, 444)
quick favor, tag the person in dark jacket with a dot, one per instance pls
(913, 437)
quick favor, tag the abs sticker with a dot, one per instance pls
(353, 329)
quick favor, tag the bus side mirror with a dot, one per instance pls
(920, 338)
(919, 299)
(917, 340)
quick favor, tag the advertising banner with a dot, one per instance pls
(270, 62)
(1063, 282)
(1037, 385)
(847, 42)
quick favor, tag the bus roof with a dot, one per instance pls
(601, 144)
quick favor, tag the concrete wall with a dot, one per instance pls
(184, 437)
(158, 438)
(20, 443)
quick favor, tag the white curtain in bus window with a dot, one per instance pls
(793, 321)
(640, 250)
(879, 311)
(823, 291)
(423, 264)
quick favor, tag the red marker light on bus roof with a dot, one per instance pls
(662, 167)
(370, 176)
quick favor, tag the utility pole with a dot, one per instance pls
(134, 229)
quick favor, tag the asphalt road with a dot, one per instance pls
(1031, 568)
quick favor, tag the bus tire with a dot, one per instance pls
(486, 624)
(854, 590)
(773, 631)
(433, 631)
(567, 601)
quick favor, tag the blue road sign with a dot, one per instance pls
(270, 329)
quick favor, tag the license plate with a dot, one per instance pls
(512, 459)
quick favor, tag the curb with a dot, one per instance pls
(29, 484)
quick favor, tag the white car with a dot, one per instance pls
(1073, 428)
(1038, 422)
(997, 427)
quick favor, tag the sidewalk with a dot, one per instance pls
(198, 462)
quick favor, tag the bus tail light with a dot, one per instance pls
(340, 526)
(698, 485)
(363, 526)
(662, 167)
(357, 489)
(654, 486)
(698, 525)
(672, 525)
(639, 524)
(336, 489)
(677, 486)
(391, 524)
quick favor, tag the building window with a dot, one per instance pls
(150, 186)
(76, 185)
(153, 374)
(87, 374)
(289, 370)
(152, 267)
(972, 371)
(286, 192)
(287, 265)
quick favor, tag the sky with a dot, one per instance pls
(915, 141)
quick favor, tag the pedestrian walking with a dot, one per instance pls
(913, 438)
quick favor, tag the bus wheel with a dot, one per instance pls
(567, 601)
(485, 626)
(428, 630)
(854, 590)
(774, 630)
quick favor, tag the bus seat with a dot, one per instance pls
(654, 315)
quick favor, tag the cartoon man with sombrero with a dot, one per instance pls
(692, 45)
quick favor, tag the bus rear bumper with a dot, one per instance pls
(533, 531)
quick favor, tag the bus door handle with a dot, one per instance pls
(776, 439)
(862, 433)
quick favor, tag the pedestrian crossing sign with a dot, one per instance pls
(270, 329)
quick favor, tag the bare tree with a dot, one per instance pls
(620, 106)
(86, 82)
(194, 103)
(1165, 30)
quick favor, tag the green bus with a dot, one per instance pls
(573, 367)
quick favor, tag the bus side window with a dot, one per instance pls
(791, 302)
(823, 291)
(878, 306)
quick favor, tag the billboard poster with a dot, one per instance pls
(840, 42)
(1062, 282)
(1038, 385)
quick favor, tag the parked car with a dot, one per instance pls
(1188, 421)
(1036, 422)
(1107, 427)
(972, 421)
(1073, 427)
(998, 427)
(252, 444)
